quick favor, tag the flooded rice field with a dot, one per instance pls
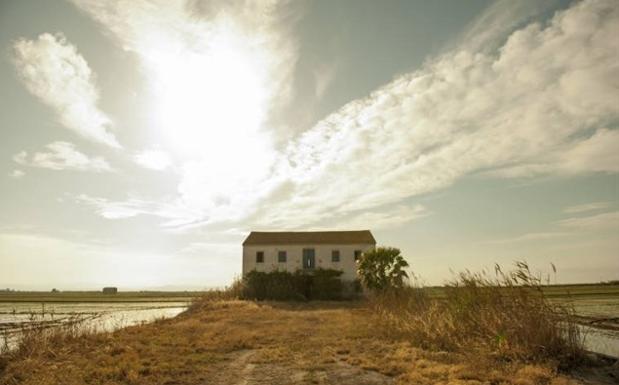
(599, 317)
(15, 317)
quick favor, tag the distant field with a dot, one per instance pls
(94, 296)
(590, 291)
(559, 291)
(581, 290)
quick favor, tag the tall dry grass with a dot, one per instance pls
(229, 293)
(506, 316)
(42, 338)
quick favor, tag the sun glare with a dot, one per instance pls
(210, 105)
(211, 102)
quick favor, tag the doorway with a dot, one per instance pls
(309, 259)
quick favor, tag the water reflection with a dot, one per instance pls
(16, 317)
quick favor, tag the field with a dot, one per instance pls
(21, 311)
(238, 342)
(226, 341)
(97, 296)
(562, 292)
(559, 291)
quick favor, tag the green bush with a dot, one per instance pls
(319, 284)
(326, 284)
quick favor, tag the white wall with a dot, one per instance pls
(294, 259)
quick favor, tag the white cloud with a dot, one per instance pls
(486, 32)
(527, 238)
(544, 102)
(176, 213)
(153, 159)
(586, 207)
(53, 70)
(323, 76)
(570, 228)
(592, 222)
(17, 174)
(379, 219)
(62, 156)
(527, 107)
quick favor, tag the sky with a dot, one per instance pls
(141, 141)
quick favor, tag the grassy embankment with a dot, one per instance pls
(409, 339)
(229, 342)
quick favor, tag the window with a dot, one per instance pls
(259, 256)
(357, 255)
(281, 256)
(335, 255)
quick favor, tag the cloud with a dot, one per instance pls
(16, 174)
(53, 70)
(586, 207)
(542, 100)
(488, 31)
(527, 238)
(529, 106)
(153, 159)
(380, 219)
(596, 153)
(176, 213)
(570, 228)
(323, 76)
(592, 222)
(62, 156)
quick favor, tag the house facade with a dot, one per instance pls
(308, 250)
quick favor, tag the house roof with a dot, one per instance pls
(309, 238)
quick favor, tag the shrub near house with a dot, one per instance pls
(320, 284)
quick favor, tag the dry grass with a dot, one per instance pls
(233, 342)
(507, 317)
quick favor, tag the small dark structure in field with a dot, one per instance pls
(110, 290)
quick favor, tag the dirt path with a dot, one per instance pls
(240, 370)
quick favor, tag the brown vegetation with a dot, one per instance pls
(507, 316)
(222, 341)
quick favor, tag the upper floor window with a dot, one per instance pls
(335, 255)
(259, 256)
(357, 255)
(281, 256)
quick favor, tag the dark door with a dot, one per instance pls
(309, 259)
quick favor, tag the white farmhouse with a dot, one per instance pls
(308, 250)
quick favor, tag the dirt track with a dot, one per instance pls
(240, 370)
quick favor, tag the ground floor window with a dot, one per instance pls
(281, 256)
(357, 255)
(259, 256)
(335, 255)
